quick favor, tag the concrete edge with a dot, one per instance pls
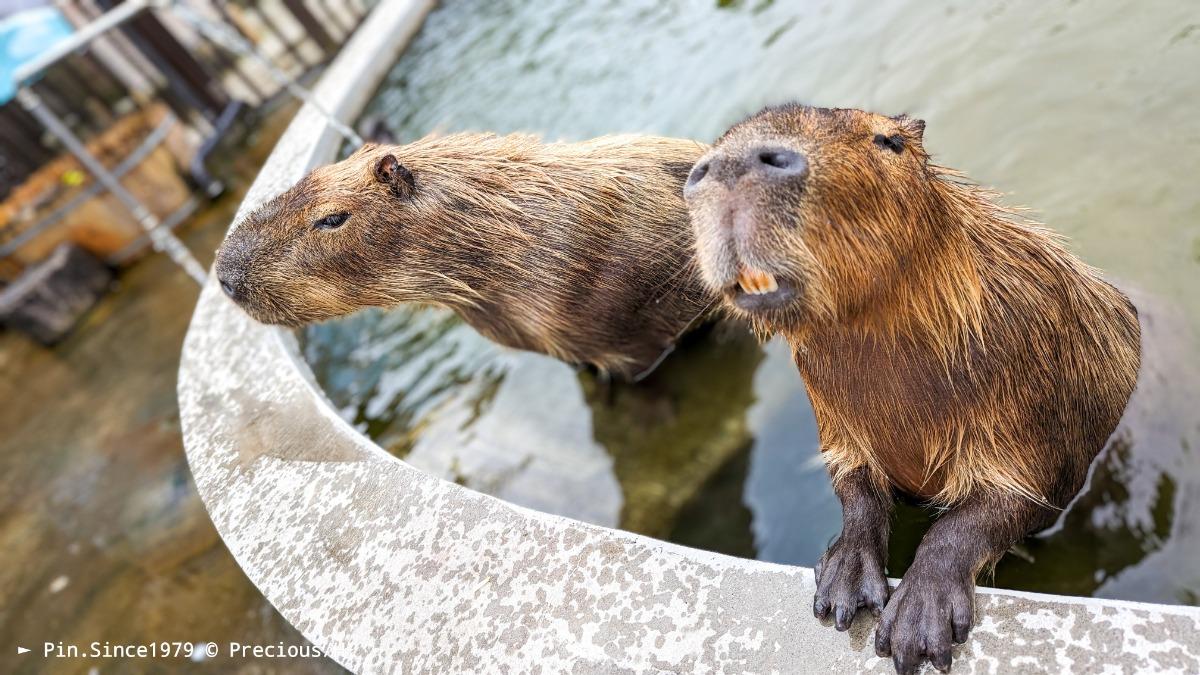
(384, 567)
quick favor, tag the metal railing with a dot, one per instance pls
(129, 55)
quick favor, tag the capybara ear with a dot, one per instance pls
(365, 149)
(390, 172)
(912, 125)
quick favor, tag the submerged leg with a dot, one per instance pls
(850, 574)
(934, 604)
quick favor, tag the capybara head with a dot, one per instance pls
(348, 235)
(577, 250)
(803, 215)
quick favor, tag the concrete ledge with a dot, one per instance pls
(384, 567)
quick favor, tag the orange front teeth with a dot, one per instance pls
(757, 282)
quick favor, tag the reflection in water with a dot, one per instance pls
(671, 432)
(534, 431)
(1130, 533)
(433, 391)
(716, 517)
(390, 372)
(1029, 96)
(1099, 537)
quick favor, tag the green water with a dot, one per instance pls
(1085, 112)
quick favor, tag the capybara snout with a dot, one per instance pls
(778, 206)
(232, 264)
(762, 163)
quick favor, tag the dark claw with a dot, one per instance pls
(962, 627)
(941, 659)
(906, 662)
(849, 576)
(842, 618)
(820, 608)
(961, 614)
(875, 604)
(928, 610)
(883, 641)
(875, 598)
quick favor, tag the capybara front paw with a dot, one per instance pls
(849, 577)
(930, 611)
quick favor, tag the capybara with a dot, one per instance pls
(577, 250)
(952, 351)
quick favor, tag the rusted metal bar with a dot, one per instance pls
(162, 239)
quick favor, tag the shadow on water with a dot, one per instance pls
(430, 390)
(719, 449)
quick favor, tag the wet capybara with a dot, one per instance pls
(577, 250)
(952, 351)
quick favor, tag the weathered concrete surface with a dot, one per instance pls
(388, 568)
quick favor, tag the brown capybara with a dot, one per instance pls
(577, 250)
(952, 352)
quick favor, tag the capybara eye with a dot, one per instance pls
(331, 221)
(895, 142)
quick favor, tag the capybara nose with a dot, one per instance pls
(776, 163)
(229, 288)
(699, 172)
(229, 272)
(769, 163)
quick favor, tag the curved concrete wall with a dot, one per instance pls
(387, 568)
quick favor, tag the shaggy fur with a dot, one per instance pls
(577, 250)
(947, 344)
(952, 350)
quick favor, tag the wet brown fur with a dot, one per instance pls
(949, 346)
(577, 250)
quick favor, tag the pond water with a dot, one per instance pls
(1083, 111)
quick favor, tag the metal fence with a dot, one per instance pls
(149, 59)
